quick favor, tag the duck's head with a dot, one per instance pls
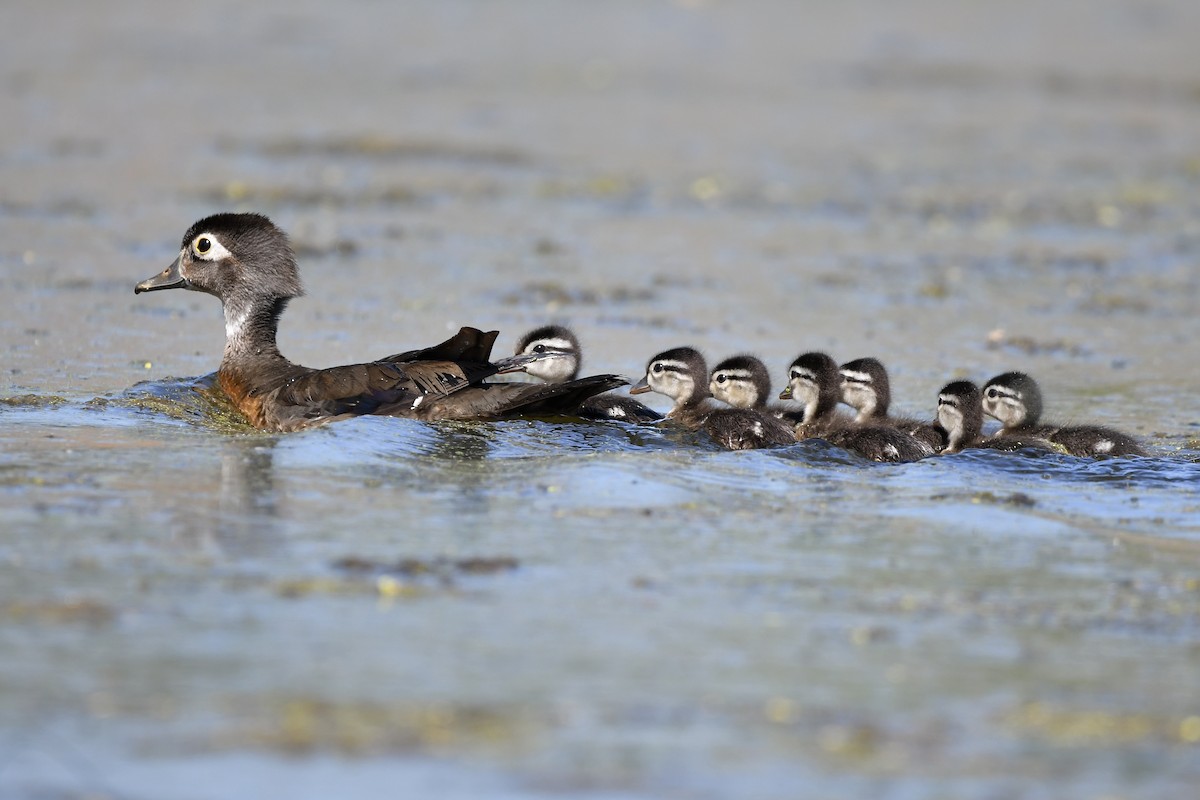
(1013, 398)
(680, 374)
(865, 387)
(557, 350)
(240, 258)
(815, 383)
(959, 413)
(741, 381)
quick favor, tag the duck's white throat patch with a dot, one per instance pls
(235, 323)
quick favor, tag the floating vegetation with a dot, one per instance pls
(34, 401)
(440, 567)
(1017, 499)
(553, 293)
(308, 196)
(1089, 728)
(60, 612)
(298, 725)
(195, 402)
(377, 147)
(1000, 339)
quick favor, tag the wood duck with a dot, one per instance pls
(960, 419)
(558, 360)
(248, 264)
(1015, 399)
(866, 388)
(744, 382)
(815, 382)
(682, 375)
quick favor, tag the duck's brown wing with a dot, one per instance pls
(495, 400)
(375, 388)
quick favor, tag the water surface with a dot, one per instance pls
(532, 608)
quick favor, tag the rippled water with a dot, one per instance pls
(531, 608)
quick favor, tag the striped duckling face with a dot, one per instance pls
(741, 381)
(958, 413)
(865, 387)
(557, 350)
(1013, 398)
(812, 378)
(679, 374)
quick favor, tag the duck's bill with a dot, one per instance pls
(786, 394)
(169, 278)
(641, 387)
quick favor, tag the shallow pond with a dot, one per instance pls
(534, 608)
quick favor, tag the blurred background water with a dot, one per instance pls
(189, 609)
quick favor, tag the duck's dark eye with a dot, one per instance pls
(720, 379)
(203, 245)
(992, 393)
(539, 348)
(657, 367)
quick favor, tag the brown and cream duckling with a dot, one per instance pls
(682, 375)
(744, 382)
(867, 389)
(558, 358)
(1015, 399)
(814, 381)
(960, 419)
(248, 264)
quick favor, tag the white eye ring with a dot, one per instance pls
(207, 247)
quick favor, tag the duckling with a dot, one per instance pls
(960, 419)
(815, 382)
(681, 375)
(559, 357)
(1015, 399)
(866, 388)
(744, 382)
(248, 264)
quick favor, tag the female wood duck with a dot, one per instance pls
(1015, 399)
(248, 264)
(744, 382)
(682, 375)
(960, 419)
(815, 382)
(558, 360)
(866, 388)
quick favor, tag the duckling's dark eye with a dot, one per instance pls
(992, 393)
(720, 379)
(202, 245)
(539, 348)
(658, 368)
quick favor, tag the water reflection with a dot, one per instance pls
(242, 515)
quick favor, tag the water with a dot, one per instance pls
(192, 609)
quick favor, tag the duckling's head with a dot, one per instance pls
(1014, 398)
(679, 374)
(243, 259)
(959, 414)
(741, 381)
(815, 383)
(558, 350)
(865, 387)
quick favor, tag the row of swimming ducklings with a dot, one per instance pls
(245, 260)
(817, 385)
